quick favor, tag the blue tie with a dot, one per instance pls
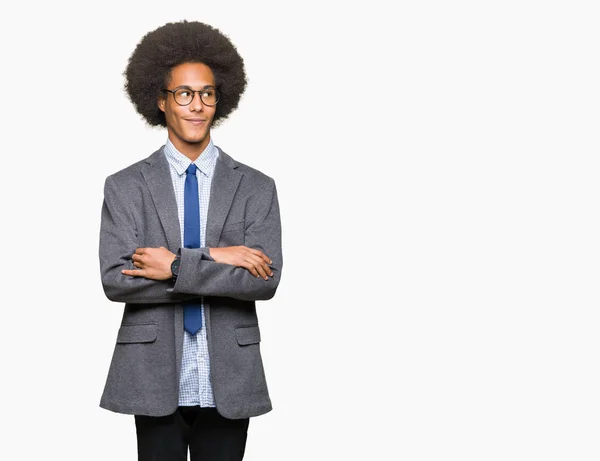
(192, 313)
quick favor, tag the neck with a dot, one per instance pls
(191, 150)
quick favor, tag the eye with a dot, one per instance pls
(208, 93)
(184, 93)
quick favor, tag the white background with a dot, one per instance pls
(437, 168)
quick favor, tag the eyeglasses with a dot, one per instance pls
(184, 96)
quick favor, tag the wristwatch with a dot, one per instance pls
(175, 267)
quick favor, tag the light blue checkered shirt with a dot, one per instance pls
(194, 386)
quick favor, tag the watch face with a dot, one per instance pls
(175, 266)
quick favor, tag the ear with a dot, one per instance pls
(161, 101)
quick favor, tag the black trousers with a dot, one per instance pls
(210, 436)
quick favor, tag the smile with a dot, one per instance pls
(195, 121)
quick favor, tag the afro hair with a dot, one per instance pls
(175, 43)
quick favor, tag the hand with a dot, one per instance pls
(152, 263)
(241, 256)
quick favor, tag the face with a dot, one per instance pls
(189, 126)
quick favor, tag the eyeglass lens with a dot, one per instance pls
(184, 96)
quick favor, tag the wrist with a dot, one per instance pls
(175, 267)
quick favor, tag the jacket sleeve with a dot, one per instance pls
(200, 275)
(118, 242)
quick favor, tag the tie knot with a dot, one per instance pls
(191, 169)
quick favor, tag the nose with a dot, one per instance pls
(196, 104)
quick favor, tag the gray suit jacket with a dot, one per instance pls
(139, 210)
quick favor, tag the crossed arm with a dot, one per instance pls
(155, 263)
(135, 274)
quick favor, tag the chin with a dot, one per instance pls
(195, 140)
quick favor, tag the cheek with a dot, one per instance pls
(212, 112)
(173, 116)
(172, 110)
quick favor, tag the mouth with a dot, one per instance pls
(196, 121)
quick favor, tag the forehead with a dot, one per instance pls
(192, 74)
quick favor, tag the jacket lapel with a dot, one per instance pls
(158, 179)
(225, 182)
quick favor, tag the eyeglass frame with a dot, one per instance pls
(184, 87)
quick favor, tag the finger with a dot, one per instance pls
(247, 264)
(133, 273)
(139, 251)
(260, 267)
(264, 266)
(260, 254)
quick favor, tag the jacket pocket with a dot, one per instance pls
(247, 335)
(137, 333)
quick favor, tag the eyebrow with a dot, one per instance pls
(190, 88)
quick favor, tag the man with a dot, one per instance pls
(189, 240)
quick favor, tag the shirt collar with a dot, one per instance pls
(205, 161)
